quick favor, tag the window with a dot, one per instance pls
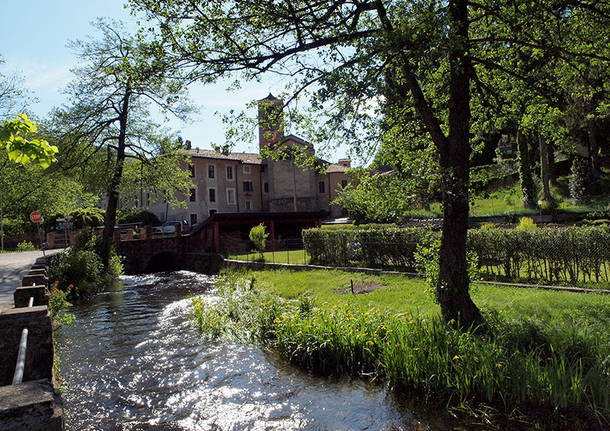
(193, 219)
(147, 198)
(212, 194)
(343, 183)
(266, 187)
(231, 196)
(247, 170)
(248, 186)
(192, 170)
(212, 212)
(248, 205)
(229, 172)
(193, 196)
(210, 171)
(321, 186)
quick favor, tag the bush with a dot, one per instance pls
(571, 254)
(80, 270)
(138, 215)
(26, 246)
(526, 223)
(258, 236)
(373, 247)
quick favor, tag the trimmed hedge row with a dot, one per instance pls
(571, 254)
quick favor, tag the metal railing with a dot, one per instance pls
(23, 345)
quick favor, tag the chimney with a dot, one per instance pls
(345, 162)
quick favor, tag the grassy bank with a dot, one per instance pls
(543, 356)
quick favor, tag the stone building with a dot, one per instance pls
(231, 182)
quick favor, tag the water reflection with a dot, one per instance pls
(133, 361)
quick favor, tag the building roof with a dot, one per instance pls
(248, 158)
(336, 167)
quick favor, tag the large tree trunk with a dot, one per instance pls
(452, 291)
(113, 187)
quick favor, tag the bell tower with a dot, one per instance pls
(270, 121)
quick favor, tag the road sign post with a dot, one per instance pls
(36, 217)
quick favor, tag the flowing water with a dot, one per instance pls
(132, 360)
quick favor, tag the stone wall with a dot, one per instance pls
(33, 404)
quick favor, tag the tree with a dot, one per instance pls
(258, 236)
(343, 52)
(22, 149)
(109, 99)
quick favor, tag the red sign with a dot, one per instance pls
(35, 217)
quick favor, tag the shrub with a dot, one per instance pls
(526, 223)
(26, 246)
(138, 215)
(571, 254)
(580, 181)
(81, 267)
(58, 301)
(258, 236)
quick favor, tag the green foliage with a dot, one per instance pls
(26, 246)
(80, 270)
(519, 363)
(58, 302)
(258, 236)
(88, 217)
(138, 215)
(20, 149)
(488, 226)
(580, 181)
(372, 247)
(568, 255)
(526, 223)
(427, 261)
(571, 254)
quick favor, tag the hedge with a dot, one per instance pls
(569, 255)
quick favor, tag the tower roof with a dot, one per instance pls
(270, 97)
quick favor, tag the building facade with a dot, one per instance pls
(228, 182)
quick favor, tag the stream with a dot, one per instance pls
(132, 360)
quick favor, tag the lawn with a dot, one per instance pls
(285, 256)
(402, 294)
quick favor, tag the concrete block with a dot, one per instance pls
(29, 280)
(34, 406)
(39, 353)
(23, 294)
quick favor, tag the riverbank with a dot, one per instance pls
(542, 357)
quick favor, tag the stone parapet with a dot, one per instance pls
(23, 294)
(31, 279)
(34, 406)
(39, 353)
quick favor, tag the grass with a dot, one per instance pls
(488, 272)
(508, 200)
(402, 294)
(285, 256)
(540, 365)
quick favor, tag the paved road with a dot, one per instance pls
(13, 267)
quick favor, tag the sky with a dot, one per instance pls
(33, 43)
